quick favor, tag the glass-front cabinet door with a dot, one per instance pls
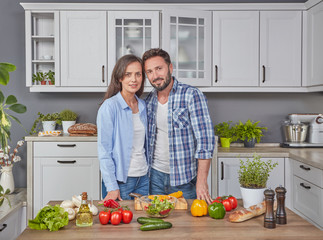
(42, 47)
(131, 32)
(186, 37)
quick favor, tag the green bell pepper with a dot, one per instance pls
(216, 210)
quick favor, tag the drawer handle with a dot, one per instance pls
(305, 168)
(304, 186)
(216, 73)
(263, 73)
(66, 145)
(3, 227)
(222, 171)
(66, 162)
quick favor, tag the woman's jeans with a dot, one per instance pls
(160, 185)
(133, 185)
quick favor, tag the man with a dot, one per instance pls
(180, 131)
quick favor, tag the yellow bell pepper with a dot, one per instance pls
(199, 208)
(176, 194)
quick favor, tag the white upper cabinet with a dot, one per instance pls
(131, 32)
(186, 36)
(280, 48)
(314, 50)
(235, 48)
(83, 48)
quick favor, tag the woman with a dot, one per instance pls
(122, 132)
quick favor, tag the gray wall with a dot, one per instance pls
(269, 108)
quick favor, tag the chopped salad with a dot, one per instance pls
(159, 207)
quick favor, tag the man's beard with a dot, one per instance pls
(166, 83)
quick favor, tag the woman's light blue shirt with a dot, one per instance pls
(115, 136)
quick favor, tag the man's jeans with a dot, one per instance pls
(160, 185)
(133, 185)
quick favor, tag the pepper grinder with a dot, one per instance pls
(269, 215)
(281, 213)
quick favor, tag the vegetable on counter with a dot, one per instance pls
(110, 203)
(143, 220)
(176, 194)
(155, 226)
(216, 210)
(49, 217)
(104, 217)
(229, 202)
(199, 208)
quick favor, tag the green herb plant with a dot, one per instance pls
(255, 173)
(41, 117)
(3, 195)
(225, 130)
(67, 115)
(38, 77)
(249, 130)
(51, 76)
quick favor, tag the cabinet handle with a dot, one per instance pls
(222, 171)
(66, 145)
(263, 73)
(304, 186)
(216, 73)
(103, 73)
(305, 168)
(3, 227)
(66, 162)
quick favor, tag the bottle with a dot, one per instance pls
(84, 217)
(281, 217)
(269, 221)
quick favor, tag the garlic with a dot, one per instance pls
(71, 213)
(67, 204)
(94, 210)
(77, 200)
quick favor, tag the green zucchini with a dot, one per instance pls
(143, 220)
(155, 226)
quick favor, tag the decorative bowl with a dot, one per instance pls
(158, 206)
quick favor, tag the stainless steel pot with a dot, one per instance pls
(295, 132)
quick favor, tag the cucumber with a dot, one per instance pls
(155, 226)
(143, 220)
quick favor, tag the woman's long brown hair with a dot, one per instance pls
(118, 73)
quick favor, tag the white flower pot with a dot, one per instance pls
(6, 179)
(66, 125)
(251, 196)
(49, 125)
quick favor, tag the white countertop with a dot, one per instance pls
(17, 200)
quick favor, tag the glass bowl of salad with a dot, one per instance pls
(158, 206)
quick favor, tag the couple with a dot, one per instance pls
(158, 146)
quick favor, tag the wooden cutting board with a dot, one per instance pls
(181, 204)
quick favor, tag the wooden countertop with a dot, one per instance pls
(184, 227)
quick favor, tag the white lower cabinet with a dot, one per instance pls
(308, 192)
(62, 170)
(228, 181)
(13, 225)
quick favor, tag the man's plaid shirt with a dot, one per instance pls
(190, 130)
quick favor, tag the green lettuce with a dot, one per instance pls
(49, 217)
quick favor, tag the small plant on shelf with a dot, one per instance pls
(226, 133)
(41, 117)
(249, 131)
(39, 77)
(51, 77)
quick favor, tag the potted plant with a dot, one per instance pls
(39, 77)
(249, 132)
(48, 121)
(226, 133)
(51, 77)
(68, 118)
(253, 177)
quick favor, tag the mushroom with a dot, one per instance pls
(67, 204)
(77, 200)
(71, 213)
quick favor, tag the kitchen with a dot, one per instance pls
(271, 108)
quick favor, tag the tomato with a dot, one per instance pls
(233, 201)
(227, 204)
(116, 218)
(120, 210)
(127, 216)
(104, 217)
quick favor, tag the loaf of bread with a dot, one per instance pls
(253, 211)
(83, 128)
(245, 214)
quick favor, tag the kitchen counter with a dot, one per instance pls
(184, 227)
(17, 200)
(310, 156)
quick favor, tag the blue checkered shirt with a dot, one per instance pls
(190, 130)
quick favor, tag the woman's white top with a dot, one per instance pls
(138, 164)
